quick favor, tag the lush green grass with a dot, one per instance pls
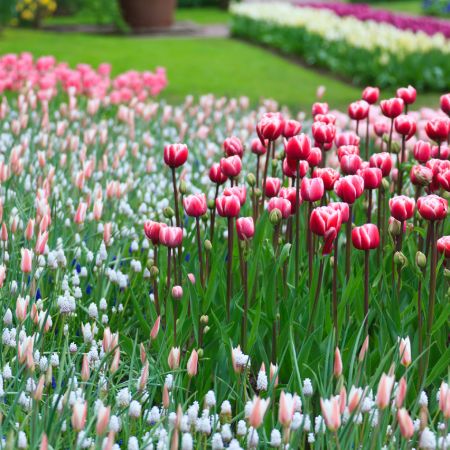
(195, 66)
(201, 16)
(410, 7)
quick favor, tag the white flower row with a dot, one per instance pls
(369, 35)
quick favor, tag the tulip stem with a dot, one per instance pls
(258, 159)
(400, 168)
(366, 290)
(169, 270)
(297, 224)
(155, 281)
(432, 291)
(367, 136)
(316, 295)
(348, 232)
(310, 246)
(175, 195)
(390, 136)
(244, 316)
(275, 238)
(419, 326)
(399, 267)
(369, 206)
(266, 167)
(334, 290)
(229, 264)
(200, 256)
(213, 215)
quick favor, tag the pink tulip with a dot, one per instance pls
(408, 94)
(233, 146)
(245, 228)
(228, 205)
(283, 205)
(331, 412)
(337, 366)
(384, 391)
(80, 214)
(171, 236)
(26, 263)
(155, 329)
(103, 415)
(195, 205)
(258, 410)
(216, 175)
(312, 189)
(79, 413)
(192, 364)
(286, 409)
(174, 358)
(404, 348)
(401, 392)
(298, 147)
(371, 94)
(175, 155)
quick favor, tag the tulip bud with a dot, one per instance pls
(177, 292)
(205, 330)
(274, 164)
(200, 352)
(395, 147)
(421, 260)
(275, 216)
(258, 193)
(251, 179)
(168, 212)
(183, 187)
(395, 228)
(446, 273)
(211, 203)
(154, 271)
(204, 319)
(400, 259)
(385, 185)
(331, 261)
(208, 245)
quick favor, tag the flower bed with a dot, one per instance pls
(207, 275)
(366, 52)
(364, 12)
(47, 77)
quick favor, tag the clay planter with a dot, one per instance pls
(143, 15)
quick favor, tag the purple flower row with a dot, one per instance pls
(364, 12)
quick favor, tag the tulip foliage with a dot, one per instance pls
(207, 275)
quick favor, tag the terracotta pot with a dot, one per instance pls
(147, 14)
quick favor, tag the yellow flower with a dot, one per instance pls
(27, 14)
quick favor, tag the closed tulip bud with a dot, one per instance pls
(245, 228)
(251, 179)
(358, 110)
(291, 128)
(270, 127)
(421, 175)
(404, 349)
(402, 207)
(208, 245)
(401, 392)
(154, 272)
(392, 107)
(400, 259)
(177, 292)
(286, 409)
(395, 147)
(103, 415)
(372, 177)
(26, 262)
(349, 188)
(364, 349)
(315, 157)
(337, 366)
(155, 329)
(272, 187)
(228, 205)
(354, 398)
(445, 103)
(44, 442)
(384, 391)
(331, 412)
(116, 361)
(438, 129)
(192, 364)
(171, 236)
(175, 155)
(405, 125)
(422, 151)
(216, 175)
(257, 147)
(165, 397)
(174, 358)
(275, 216)
(183, 187)
(37, 395)
(257, 412)
(407, 94)
(366, 237)
(195, 205)
(421, 260)
(371, 94)
(298, 147)
(85, 370)
(233, 146)
(280, 204)
(444, 400)
(394, 228)
(405, 423)
(385, 185)
(432, 207)
(79, 413)
(231, 166)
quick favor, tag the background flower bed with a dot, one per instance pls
(364, 61)
(364, 12)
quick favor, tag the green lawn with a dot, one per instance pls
(405, 6)
(195, 66)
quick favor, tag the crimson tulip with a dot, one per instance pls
(257, 147)
(408, 94)
(422, 151)
(323, 133)
(291, 128)
(371, 94)
(270, 127)
(298, 147)
(392, 107)
(358, 110)
(175, 155)
(366, 237)
(239, 191)
(349, 188)
(272, 186)
(347, 138)
(245, 228)
(350, 164)
(443, 246)
(315, 157)
(171, 237)
(231, 166)
(233, 146)
(383, 161)
(438, 129)
(347, 150)
(405, 125)
(319, 108)
(312, 189)
(289, 193)
(432, 207)
(195, 205)
(282, 204)
(402, 207)
(421, 175)
(328, 175)
(290, 167)
(445, 103)
(228, 205)
(444, 180)
(151, 230)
